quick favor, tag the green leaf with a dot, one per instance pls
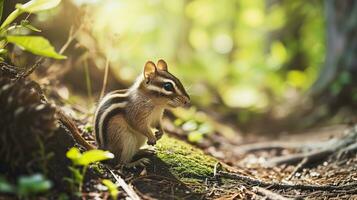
(34, 6)
(1, 8)
(35, 44)
(113, 189)
(33, 184)
(93, 156)
(74, 154)
(78, 176)
(10, 18)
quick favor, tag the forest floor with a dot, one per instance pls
(251, 159)
(246, 157)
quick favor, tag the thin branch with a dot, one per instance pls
(71, 37)
(32, 68)
(105, 80)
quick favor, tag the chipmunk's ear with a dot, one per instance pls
(149, 70)
(161, 65)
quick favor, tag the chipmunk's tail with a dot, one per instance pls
(69, 123)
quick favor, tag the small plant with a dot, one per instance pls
(26, 186)
(113, 189)
(35, 44)
(81, 161)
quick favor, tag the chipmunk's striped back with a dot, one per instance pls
(112, 104)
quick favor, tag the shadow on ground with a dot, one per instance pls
(160, 183)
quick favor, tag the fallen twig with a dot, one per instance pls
(298, 168)
(131, 193)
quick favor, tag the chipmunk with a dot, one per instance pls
(124, 119)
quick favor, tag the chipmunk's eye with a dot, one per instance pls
(168, 86)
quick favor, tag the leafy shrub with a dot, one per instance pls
(35, 44)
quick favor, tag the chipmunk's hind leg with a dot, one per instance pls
(141, 158)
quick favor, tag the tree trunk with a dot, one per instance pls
(337, 81)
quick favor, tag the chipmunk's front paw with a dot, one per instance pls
(159, 134)
(152, 141)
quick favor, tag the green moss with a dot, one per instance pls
(187, 163)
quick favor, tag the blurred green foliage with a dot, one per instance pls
(251, 52)
(26, 186)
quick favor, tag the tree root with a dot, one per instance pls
(348, 151)
(296, 158)
(268, 146)
(267, 194)
(334, 147)
(283, 186)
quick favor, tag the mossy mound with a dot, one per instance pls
(178, 170)
(183, 160)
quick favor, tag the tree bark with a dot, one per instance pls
(337, 80)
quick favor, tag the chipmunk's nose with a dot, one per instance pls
(187, 101)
